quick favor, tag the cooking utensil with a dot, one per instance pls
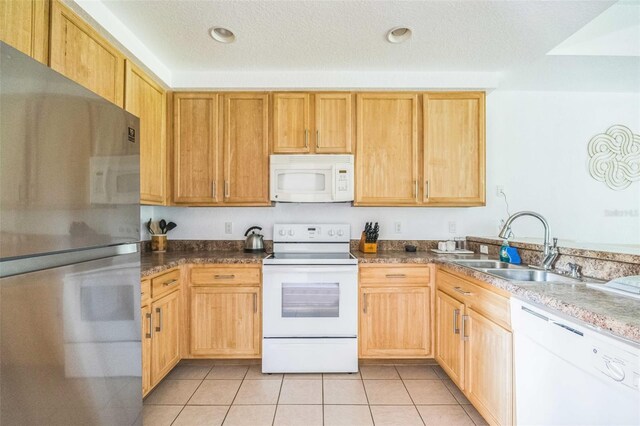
(149, 227)
(170, 226)
(163, 226)
(254, 242)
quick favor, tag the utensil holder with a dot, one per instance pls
(159, 243)
(366, 247)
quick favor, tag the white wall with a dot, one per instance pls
(536, 149)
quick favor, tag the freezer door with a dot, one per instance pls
(70, 344)
(69, 163)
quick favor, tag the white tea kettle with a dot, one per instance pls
(254, 242)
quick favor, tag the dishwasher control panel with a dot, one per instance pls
(617, 364)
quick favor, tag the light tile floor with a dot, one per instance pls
(203, 392)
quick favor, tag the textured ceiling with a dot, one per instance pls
(350, 35)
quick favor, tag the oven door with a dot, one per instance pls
(310, 301)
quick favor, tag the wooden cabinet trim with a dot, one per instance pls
(215, 275)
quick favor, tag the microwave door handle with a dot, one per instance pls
(334, 182)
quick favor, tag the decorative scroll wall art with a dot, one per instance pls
(614, 157)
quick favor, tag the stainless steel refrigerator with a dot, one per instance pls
(69, 252)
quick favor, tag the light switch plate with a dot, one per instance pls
(228, 227)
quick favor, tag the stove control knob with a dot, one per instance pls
(291, 233)
(282, 232)
(331, 232)
(340, 232)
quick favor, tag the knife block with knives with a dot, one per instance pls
(369, 238)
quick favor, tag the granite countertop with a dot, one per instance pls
(608, 312)
(154, 263)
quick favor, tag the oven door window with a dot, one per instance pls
(310, 300)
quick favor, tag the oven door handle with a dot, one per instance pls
(293, 269)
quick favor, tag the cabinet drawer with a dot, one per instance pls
(494, 306)
(225, 275)
(390, 275)
(145, 292)
(165, 283)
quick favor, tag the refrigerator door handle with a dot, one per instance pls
(23, 265)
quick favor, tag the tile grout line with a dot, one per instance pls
(194, 392)
(273, 421)
(409, 393)
(366, 396)
(235, 396)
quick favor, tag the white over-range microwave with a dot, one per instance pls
(115, 179)
(318, 178)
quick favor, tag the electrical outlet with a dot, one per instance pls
(484, 249)
(397, 226)
(452, 227)
(499, 190)
(228, 227)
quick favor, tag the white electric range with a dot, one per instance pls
(310, 301)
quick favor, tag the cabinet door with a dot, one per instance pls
(81, 54)
(333, 119)
(24, 24)
(225, 321)
(394, 322)
(165, 344)
(197, 151)
(387, 149)
(246, 148)
(454, 149)
(147, 330)
(147, 100)
(291, 123)
(489, 376)
(449, 345)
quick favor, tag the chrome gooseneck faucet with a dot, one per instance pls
(550, 252)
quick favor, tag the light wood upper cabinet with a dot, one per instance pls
(291, 123)
(84, 56)
(246, 148)
(197, 174)
(387, 149)
(165, 344)
(146, 99)
(333, 123)
(454, 148)
(449, 347)
(489, 379)
(225, 321)
(24, 24)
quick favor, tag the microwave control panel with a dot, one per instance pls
(343, 182)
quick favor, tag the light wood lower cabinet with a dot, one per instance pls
(474, 344)
(225, 321)
(225, 311)
(161, 312)
(395, 311)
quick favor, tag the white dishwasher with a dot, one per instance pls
(567, 373)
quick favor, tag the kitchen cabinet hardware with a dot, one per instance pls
(426, 189)
(213, 189)
(306, 138)
(168, 283)
(396, 275)
(159, 327)
(464, 336)
(456, 314)
(226, 189)
(415, 188)
(461, 291)
(364, 303)
(150, 333)
(224, 277)
(317, 138)
(255, 303)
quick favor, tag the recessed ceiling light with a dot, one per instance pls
(223, 35)
(398, 34)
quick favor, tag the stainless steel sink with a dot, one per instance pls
(485, 264)
(530, 275)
